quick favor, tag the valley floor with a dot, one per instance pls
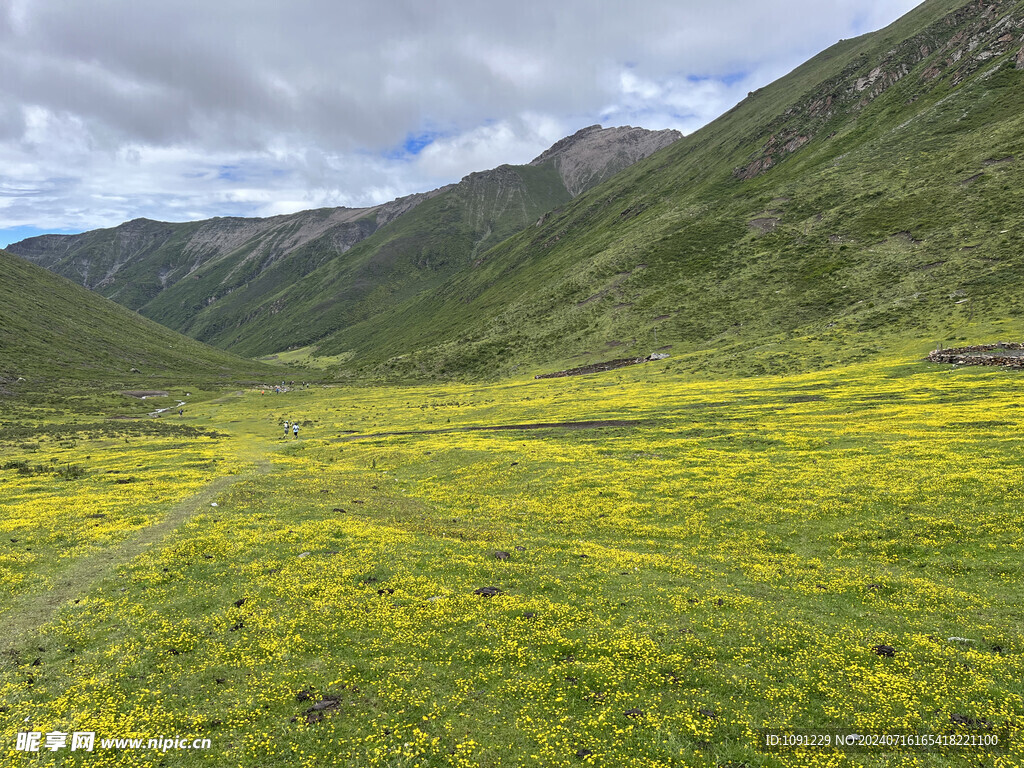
(835, 552)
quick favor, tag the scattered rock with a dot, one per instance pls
(720, 602)
(219, 680)
(305, 554)
(324, 704)
(339, 510)
(708, 713)
(1006, 354)
(609, 365)
(386, 591)
(529, 615)
(520, 548)
(583, 753)
(240, 602)
(634, 712)
(764, 224)
(501, 555)
(970, 722)
(237, 626)
(884, 650)
(487, 591)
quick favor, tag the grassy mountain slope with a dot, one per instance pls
(53, 330)
(229, 281)
(869, 200)
(135, 262)
(416, 253)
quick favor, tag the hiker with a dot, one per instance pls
(181, 411)
(286, 425)
(295, 428)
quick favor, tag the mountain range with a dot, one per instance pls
(213, 279)
(869, 201)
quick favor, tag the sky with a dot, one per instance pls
(187, 109)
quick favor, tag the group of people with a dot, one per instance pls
(294, 427)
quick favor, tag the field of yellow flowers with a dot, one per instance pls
(636, 571)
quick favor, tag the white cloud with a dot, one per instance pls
(114, 109)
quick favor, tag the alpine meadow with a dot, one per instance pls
(658, 451)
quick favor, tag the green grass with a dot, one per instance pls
(58, 338)
(883, 224)
(307, 357)
(903, 201)
(739, 551)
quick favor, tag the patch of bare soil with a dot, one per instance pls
(499, 427)
(764, 225)
(610, 365)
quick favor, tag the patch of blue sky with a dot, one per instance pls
(413, 144)
(230, 173)
(9, 235)
(729, 79)
(237, 172)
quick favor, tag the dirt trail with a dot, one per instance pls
(27, 612)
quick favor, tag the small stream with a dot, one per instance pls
(181, 404)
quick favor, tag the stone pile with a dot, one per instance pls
(1007, 354)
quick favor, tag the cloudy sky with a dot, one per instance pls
(187, 109)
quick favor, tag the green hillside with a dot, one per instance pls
(52, 330)
(416, 254)
(234, 282)
(868, 201)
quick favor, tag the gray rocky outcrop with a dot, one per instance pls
(594, 154)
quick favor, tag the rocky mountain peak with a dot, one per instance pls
(593, 154)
